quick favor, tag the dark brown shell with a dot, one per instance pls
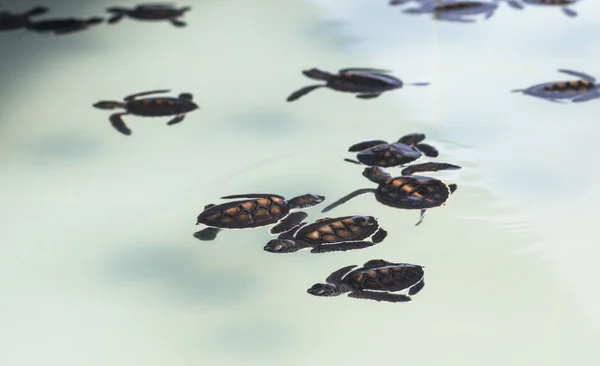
(340, 229)
(391, 277)
(575, 85)
(389, 155)
(245, 214)
(413, 192)
(156, 107)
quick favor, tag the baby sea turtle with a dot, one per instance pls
(257, 209)
(575, 90)
(456, 11)
(150, 12)
(563, 4)
(380, 153)
(330, 235)
(407, 191)
(63, 25)
(366, 83)
(377, 280)
(149, 107)
(13, 21)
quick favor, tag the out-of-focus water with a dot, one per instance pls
(97, 260)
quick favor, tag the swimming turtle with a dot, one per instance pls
(575, 90)
(330, 235)
(563, 4)
(455, 11)
(12, 21)
(255, 210)
(63, 25)
(407, 191)
(377, 280)
(149, 107)
(366, 83)
(380, 153)
(156, 11)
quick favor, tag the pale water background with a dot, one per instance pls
(97, 260)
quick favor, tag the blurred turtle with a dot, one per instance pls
(576, 91)
(330, 235)
(156, 11)
(455, 11)
(13, 21)
(410, 192)
(366, 83)
(255, 210)
(377, 280)
(149, 107)
(380, 153)
(62, 26)
(563, 4)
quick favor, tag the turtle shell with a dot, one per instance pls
(245, 214)
(389, 277)
(389, 155)
(336, 230)
(413, 192)
(364, 82)
(157, 107)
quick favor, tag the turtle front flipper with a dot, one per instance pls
(117, 122)
(428, 167)
(568, 12)
(578, 74)
(416, 288)
(347, 198)
(133, 96)
(207, 234)
(302, 92)
(342, 247)
(594, 94)
(177, 119)
(118, 12)
(428, 150)
(368, 96)
(363, 70)
(178, 23)
(412, 138)
(453, 187)
(287, 235)
(38, 10)
(336, 277)
(423, 212)
(252, 195)
(289, 222)
(379, 296)
(366, 145)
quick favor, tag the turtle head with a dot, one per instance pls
(281, 246)
(316, 74)
(108, 104)
(376, 174)
(325, 289)
(307, 200)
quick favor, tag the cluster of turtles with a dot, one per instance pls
(10, 21)
(376, 279)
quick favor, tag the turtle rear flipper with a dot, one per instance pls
(515, 4)
(453, 187)
(428, 167)
(342, 247)
(117, 121)
(347, 198)
(178, 23)
(368, 96)
(568, 12)
(207, 234)
(115, 18)
(594, 94)
(302, 92)
(288, 223)
(366, 145)
(176, 119)
(423, 212)
(379, 296)
(416, 288)
(379, 236)
(428, 150)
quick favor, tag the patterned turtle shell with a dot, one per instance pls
(247, 213)
(379, 275)
(336, 230)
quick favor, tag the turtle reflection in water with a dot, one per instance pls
(149, 107)
(380, 153)
(150, 12)
(406, 191)
(13, 21)
(257, 209)
(377, 280)
(63, 25)
(575, 90)
(366, 83)
(330, 235)
(456, 11)
(563, 4)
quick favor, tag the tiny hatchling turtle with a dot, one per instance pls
(155, 11)
(576, 91)
(455, 11)
(377, 280)
(255, 210)
(12, 21)
(563, 4)
(330, 235)
(63, 25)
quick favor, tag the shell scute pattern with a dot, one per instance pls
(350, 228)
(257, 212)
(385, 278)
